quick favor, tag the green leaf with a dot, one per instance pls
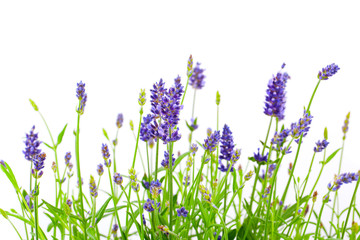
(34, 105)
(105, 134)
(4, 214)
(99, 215)
(91, 233)
(48, 145)
(61, 135)
(332, 156)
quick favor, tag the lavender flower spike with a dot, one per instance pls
(328, 71)
(197, 77)
(82, 96)
(276, 99)
(119, 120)
(212, 141)
(106, 155)
(226, 148)
(31, 145)
(260, 158)
(93, 188)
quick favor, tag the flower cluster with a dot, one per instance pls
(142, 97)
(145, 128)
(100, 169)
(249, 175)
(321, 145)
(114, 230)
(345, 128)
(197, 78)
(38, 165)
(276, 99)
(150, 204)
(212, 141)
(226, 148)
(165, 162)
(193, 149)
(328, 71)
(164, 229)
(106, 155)
(259, 157)
(190, 66)
(267, 191)
(205, 193)
(155, 188)
(93, 188)
(182, 212)
(133, 180)
(119, 120)
(301, 127)
(69, 203)
(118, 179)
(31, 145)
(82, 96)
(271, 169)
(186, 181)
(279, 139)
(343, 178)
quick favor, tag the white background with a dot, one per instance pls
(116, 48)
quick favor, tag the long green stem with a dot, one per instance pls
(36, 209)
(351, 203)
(141, 213)
(170, 184)
(308, 174)
(114, 199)
(336, 193)
(319, 218)
(77, 154)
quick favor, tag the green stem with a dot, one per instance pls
(336, 193)
(77, 154)
(156, 158)
(187, 83)
(351, 203)
(307, 222)
(141, 221)
(319, 219)
(36, 209)
(170, 184)
(113, 197)
(15, 229)
(308, 174)
(312, 96)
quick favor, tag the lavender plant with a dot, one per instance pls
(198, 194)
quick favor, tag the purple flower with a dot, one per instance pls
(82, 96)
(181, 212)
(39, 161)
(100, 169)
(165, 162)
(93, 188)
(114, 230)
(197, 78)
(186, 181)
(194, 148)
(119, 120)
(146, 184)
(149, 205)
(3, 163)
(212, 141)
(260, 158)
(155, 188)
(143, 218)
(226, 149)
(164, 229)
(157, 93)
(321, 145)
(67, 158)
(343, 178)
(69, 203)
(328, 71)
(31, 145)
(276, 99)
(118, 179)
(145, 129)
(267, 191)
(106, 155)
(190, 66)
(302, 127)
(205, 193)
(28, 202)
(345, 128)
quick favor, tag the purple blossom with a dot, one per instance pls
(114, 230)
(118, 179)
(343, 178)
(93, 188)
(143, 218)
(190, 66)
(328, 71)
(182, 212)
(197, 78)
(106, 155)
(100, 169)
(276, 96)
(157, 93)
(321, 145)
(194, 148)
(69, 203)
(38, 161)
(301, 127)
(186, 181)
(155, 188)
(212, 141)
(82, 96)
(67, 158)
(31, 145)
(149, 205)
(3, 163)
(226, 149)
(145, 129)
(259, 157)
(165, 162)
(119, 120)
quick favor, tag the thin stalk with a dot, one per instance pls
(312, 96)
(15, 228)
(170, 184)
(187, 83)
(307, 222)
(307, 176)
(336, 193)
(351, 203)
(113, 197)
(26, 231)
(319, 220)
(36, 210)
(133, 164)
(256, 179)
(217, 147)
(141, 221)
(77, 154)
(148, 160)
(157, 158)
